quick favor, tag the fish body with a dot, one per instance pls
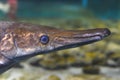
(20, 41)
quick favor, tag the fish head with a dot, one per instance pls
(44, 40)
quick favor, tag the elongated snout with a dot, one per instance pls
(69, 39)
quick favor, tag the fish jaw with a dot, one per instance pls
(71, 39)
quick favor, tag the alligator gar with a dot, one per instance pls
(20, 41)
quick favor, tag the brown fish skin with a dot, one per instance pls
(19, 41)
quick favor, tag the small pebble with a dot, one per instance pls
(53, 77)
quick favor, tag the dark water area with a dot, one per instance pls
(103, 9)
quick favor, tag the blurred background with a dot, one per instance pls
(97, 61)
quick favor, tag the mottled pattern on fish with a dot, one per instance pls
(19, 41)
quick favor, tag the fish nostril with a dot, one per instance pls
(107, 32)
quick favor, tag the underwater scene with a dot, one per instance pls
(83, 60)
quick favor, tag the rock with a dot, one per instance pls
(91, 70)
(53, 77)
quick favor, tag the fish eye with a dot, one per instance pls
(44, 39)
